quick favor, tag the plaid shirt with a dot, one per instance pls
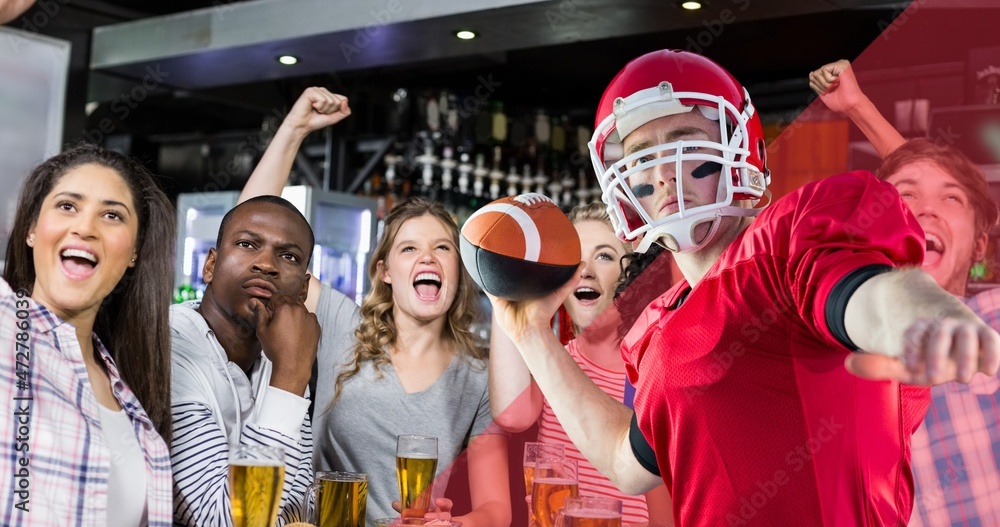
(956, 451)
(53, 454)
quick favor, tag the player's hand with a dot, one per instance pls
(837, 87)
(520, 319)
(935, 352)
(315, 109)
(289, 335)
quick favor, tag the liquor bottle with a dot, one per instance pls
(464, 169)
(433, 114)
(512, 180)
(543, 129)
(558, 143)
(480, 173)
(427, 161)
(499, 123)
(519, 133)
(555, 189)
(452, 121)
(540, 180)
(582, 138)
(582, 189)
(448, 165)
(595, 190)
(391, 181)
(496, 176)
(567, 189)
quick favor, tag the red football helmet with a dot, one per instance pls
(670, 82)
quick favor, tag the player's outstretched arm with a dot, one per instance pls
(917, 332)
(315, 109)
(838, 88)
(597, 424)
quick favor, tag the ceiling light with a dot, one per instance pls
(288, 60)
(691, 6)
(465, 34)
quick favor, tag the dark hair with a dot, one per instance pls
(276, 200)
(966, 173)
(644, 277)
(377, 330)
(133, 320)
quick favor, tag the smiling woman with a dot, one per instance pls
(429, 374)
(83, 313)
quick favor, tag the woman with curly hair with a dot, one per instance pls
(412, 367)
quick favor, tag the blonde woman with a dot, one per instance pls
(516, 401)
(406, 363)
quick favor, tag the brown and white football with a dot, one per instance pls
(520, 247)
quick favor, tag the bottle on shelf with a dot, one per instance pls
(512, 180)
(583, 194)
(480, 173)
(567, 184)
(555, 190)
(540, 180)
(499, 123)
(427, 162)
(448, 165)
(464, 169)
(543, 128)
(558, 142)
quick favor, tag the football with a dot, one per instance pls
(520, 247)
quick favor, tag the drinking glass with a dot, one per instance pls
(416, 464)
(555, 480)
(256, 476)
(337, 499)
(590, 511)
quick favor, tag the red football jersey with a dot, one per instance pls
(742, 391)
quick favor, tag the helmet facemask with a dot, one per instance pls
(627, 181)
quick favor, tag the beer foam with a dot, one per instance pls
(255, 463)
(556, 481)
(593, 513)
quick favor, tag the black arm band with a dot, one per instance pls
(836, 303)
(640, 448)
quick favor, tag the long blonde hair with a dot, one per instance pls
(377, 331)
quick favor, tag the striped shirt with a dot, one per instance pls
(592, 482)
(956, 450)
(216, 405)
(53, 453)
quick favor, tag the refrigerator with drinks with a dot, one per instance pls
(344, 226)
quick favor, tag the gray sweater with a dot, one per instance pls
(358, 434)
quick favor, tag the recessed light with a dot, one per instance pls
(465, 34)
(288, 60)
(691, 6)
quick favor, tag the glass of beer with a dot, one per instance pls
(416, 464)
(533, 452)
(337, 499)
(555, 480)
(256, 476)
(590, 511)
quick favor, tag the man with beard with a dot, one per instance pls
(242, 358)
